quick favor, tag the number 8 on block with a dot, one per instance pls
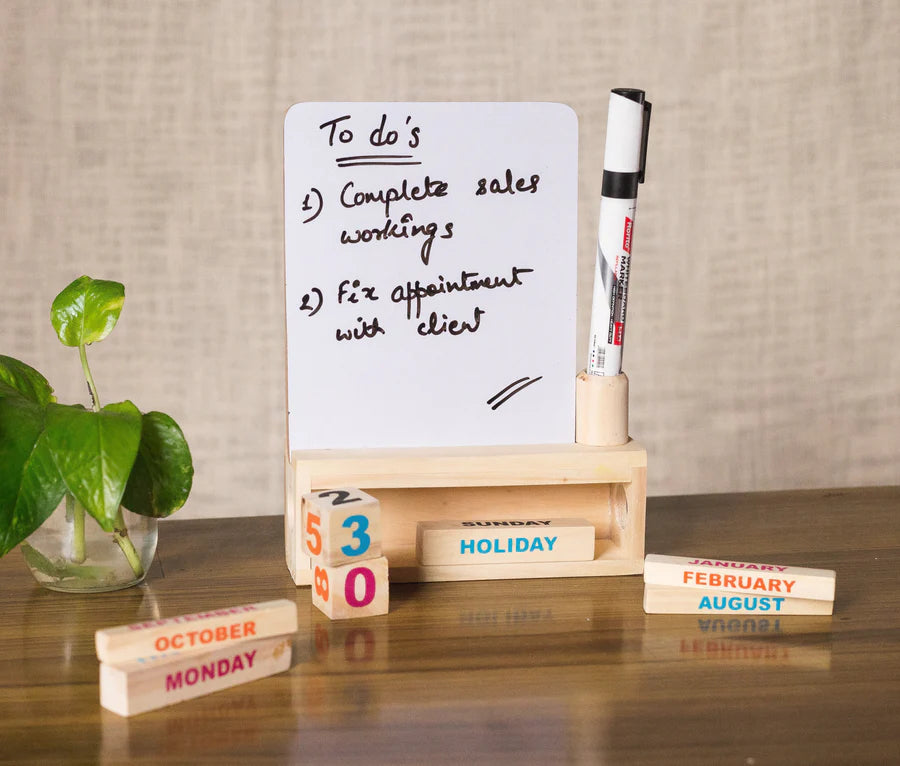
(340, 526)
(359, 589)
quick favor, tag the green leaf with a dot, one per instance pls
(30, 485)
(87, 310)
(161, 479)
(94, 452)
(18, 378)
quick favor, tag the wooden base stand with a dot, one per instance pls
(606, 485)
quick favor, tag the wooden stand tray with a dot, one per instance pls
(606, 485)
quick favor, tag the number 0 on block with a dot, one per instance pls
(359, 589)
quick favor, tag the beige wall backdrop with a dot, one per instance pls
(141, 141)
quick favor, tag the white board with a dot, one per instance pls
(483, 194)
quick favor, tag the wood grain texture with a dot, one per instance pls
(495, 672)
(142, 142)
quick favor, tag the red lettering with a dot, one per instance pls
(173, 682)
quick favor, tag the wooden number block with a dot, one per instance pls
(506, 541)
(668, 599)
(340, 526)
(359, 589)
(196, 632)
(137, 686)
(740, 577)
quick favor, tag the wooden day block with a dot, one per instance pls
(740, 577)
(341, 526)
(359, 589)
(196, 632)
(138, 686)
(504, 541)
(668, 599)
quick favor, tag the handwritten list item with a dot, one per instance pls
(430, 267)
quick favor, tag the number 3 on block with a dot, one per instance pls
(352, 590)
(340, 526)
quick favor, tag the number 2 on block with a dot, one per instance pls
(314, 537)
(362, 541)
(341, 496)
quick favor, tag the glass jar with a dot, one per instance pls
(71, 552)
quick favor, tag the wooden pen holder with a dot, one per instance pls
(605, 484)
(601, 409)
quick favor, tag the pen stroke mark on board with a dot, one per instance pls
(376, 159)
(513, 388)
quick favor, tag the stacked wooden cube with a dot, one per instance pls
(342, 536)
(695, 585)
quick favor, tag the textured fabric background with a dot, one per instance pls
(141, 141)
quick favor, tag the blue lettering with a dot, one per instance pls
(778, 601)
(521, 544)
(550, 541)
(484, 546)
(704, 603)
(536, 544)
(464, 544)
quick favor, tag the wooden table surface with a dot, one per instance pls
(529, 671)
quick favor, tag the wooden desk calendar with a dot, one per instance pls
(606, 485)
(430, 268)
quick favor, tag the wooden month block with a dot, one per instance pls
(740, 577)
(341, 526)
(504, 541)
(359, 589)
(140, 685)
(196, 632)
(669, 599)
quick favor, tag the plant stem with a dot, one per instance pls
(92, 387)
(78, 515)
(78, 552)
(120, 535)
(120, 532)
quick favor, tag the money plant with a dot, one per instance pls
(97, 460)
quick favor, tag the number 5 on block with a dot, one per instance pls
(352, 590)
(340, 526)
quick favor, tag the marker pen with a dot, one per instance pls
(624, 163)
